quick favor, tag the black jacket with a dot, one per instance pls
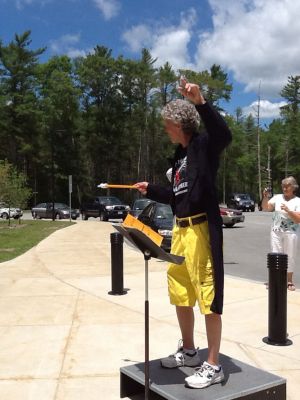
(203, 153)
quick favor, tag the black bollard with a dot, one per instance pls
(116, 240)
(277, 330)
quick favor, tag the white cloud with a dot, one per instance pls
(166, 43)
(109, 8)
(137, 37)
(267, 109)
(172, 46)
(20, 4)
(66, 45)
(64, 41)
(73, 53)
(256, 39)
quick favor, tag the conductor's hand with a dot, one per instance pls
(191, 91)
(142, 187)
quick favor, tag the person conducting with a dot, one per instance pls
(197, 232)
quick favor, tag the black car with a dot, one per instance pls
(241, 201)
(138, 206)
(61, 211)
(160, 218)
(104, 207)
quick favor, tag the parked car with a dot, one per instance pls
(10, 212)
(241, 201)
(160, 218)
(61, 211)
(104, 207)
(230, 217)
(138, 206)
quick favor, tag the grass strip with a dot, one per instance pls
(17, 238)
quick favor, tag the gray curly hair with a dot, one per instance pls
(183, 112)
(290, 180)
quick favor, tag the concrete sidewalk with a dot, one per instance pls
(63, 337)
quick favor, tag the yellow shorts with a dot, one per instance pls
(193, 279)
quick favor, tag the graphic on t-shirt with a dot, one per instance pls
(281, 221)
(180, 179)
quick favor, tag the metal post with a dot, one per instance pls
(147, 257)
(52, 176)
(277, 329)
(70, 196)
(116, 240)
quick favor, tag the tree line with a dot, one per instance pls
(97, 118)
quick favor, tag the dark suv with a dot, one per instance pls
(241, 201)
(104, 207)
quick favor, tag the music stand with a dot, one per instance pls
(149, 249)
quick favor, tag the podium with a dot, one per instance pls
(149, 249)
(242, 382)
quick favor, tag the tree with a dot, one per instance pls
(291, 116)
(102, 113)
(166, 78)
(13, 186)
(145, 83)
(58, 139)
(18, 101)
(291, 92)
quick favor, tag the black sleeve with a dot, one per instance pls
(159, 193)
(219, 135)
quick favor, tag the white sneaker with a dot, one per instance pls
(181, 358)
(204, 376)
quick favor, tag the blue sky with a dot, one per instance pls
(255, 41)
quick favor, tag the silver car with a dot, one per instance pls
(230, 217)
(61, 211)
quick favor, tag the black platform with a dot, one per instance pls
(242, 381)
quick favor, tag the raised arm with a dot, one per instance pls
(265, 204)
(191, 91)
(219, 135)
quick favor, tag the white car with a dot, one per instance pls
(6, 212)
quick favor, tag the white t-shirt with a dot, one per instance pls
(281, 221)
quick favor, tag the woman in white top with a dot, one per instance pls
(285, 227)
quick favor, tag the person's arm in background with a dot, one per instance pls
(266, 204)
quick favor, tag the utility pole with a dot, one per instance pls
(52, 175)
(286, 166)
(270, 186)
(258, 144)
(52, 138)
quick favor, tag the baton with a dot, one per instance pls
(111, 186)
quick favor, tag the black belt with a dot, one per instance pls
(183, 223)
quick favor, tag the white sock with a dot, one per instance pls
(217, 368)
